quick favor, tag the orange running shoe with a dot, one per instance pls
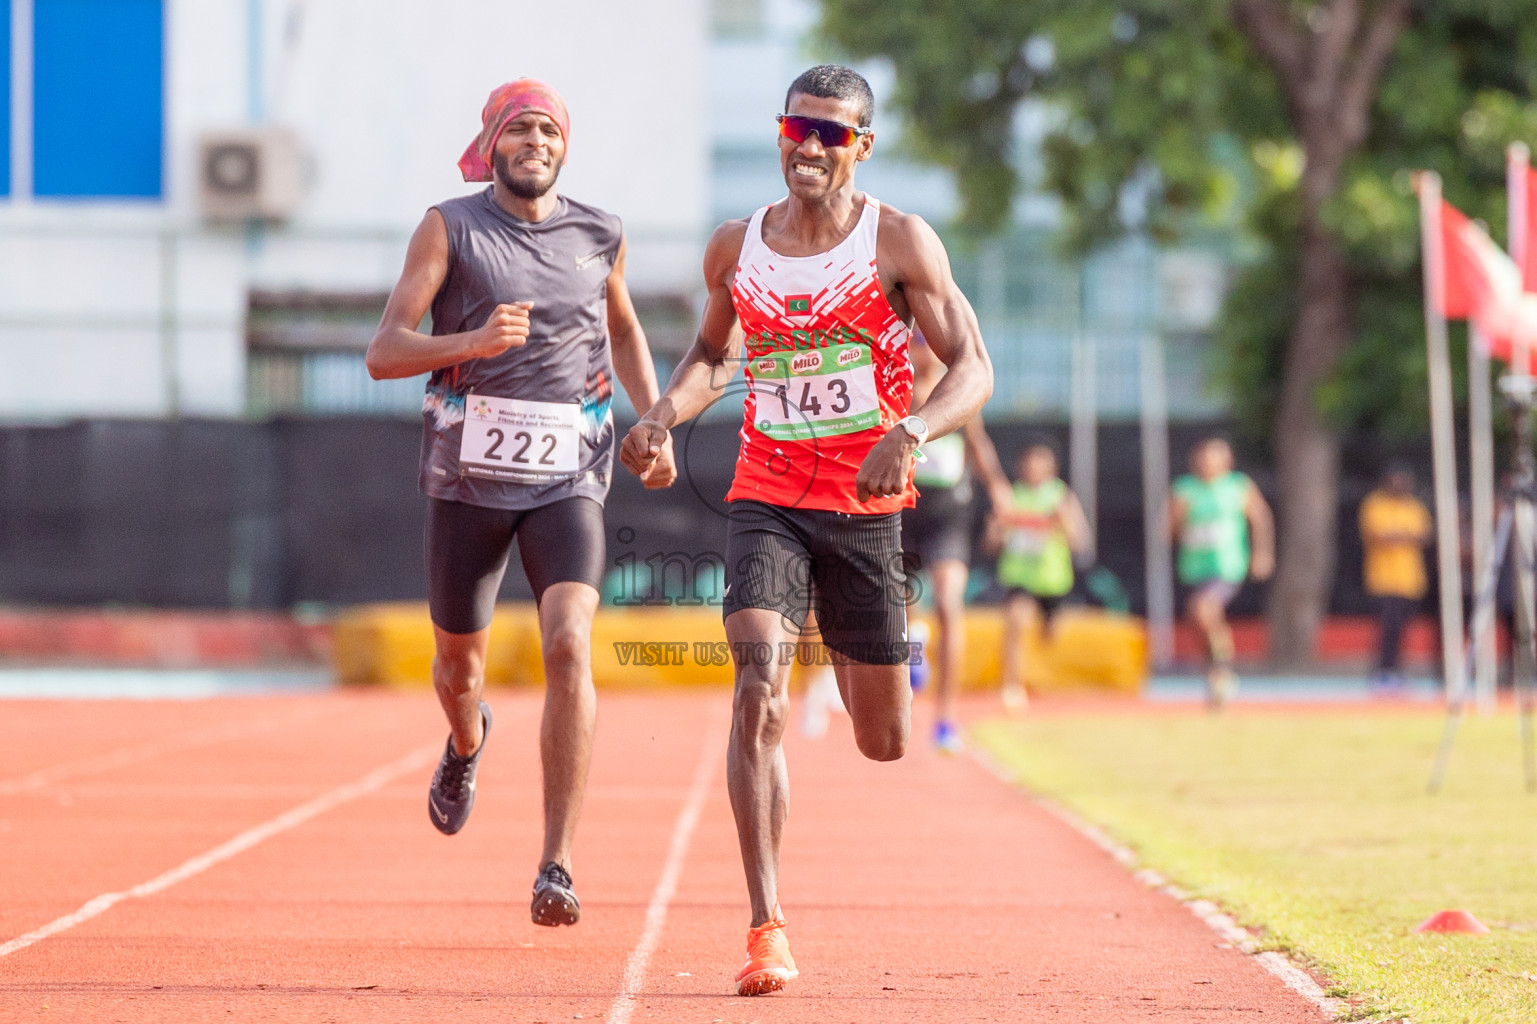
(769, 965)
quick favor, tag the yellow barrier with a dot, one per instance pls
(643, 648)
(1086, 649)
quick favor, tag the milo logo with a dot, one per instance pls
(849, 355)
(806, 362)
(768, 365)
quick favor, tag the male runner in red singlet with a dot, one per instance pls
(531, 323)
(826, 284)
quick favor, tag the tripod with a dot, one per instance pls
(1518, 516)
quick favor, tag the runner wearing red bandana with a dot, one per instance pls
(531, 324)
(826, 285)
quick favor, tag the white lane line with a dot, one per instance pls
(710, 755)
(140, 752)
(374, 780)
(1288, 973)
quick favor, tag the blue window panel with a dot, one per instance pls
(5, 99)
(98, 109)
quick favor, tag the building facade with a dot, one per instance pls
(118, 297)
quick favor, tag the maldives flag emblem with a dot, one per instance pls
(797, 304)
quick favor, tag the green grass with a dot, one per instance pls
(1316, 829)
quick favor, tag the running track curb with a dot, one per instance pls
(1291, 974)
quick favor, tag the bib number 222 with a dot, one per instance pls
(511, 439)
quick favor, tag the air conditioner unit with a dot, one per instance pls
(249, 174)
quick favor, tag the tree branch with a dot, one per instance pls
(1278, 39)
(1366, 69)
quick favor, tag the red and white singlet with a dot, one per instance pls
(828, 372)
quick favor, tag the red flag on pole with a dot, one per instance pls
(1479, 282)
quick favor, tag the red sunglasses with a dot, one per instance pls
(832, 134)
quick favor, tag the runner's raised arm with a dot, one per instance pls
(917, 276)
(398, 349)
(920, 268)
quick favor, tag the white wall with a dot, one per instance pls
(384, 94)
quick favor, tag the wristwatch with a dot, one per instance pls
(915, 427)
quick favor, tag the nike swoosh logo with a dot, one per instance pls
(437, 813)
(582, 261)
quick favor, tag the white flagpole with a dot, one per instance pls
(1517, 165)
(1481, 507)
(1517, 161)
(1443, 439)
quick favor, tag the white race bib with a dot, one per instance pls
(946, 462)
(1208, 536)
(513, 439)
(815, 392)
(1025, 541)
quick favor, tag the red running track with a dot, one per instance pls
(924, 890)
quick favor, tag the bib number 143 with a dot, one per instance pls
(512, 439)
(815, 392)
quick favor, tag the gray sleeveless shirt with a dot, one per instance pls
(561, 264)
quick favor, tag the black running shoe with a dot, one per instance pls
(554, 901)
(452, 793)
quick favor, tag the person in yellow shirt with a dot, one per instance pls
(1395, 528)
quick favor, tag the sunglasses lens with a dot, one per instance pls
(830, 133)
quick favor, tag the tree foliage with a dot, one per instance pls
(1175, 101)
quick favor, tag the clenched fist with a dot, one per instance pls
(505, 328)
(643, 447)
(884, 471)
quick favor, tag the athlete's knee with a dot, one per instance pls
(566, 645)
(458, 670)
(760, 707)
(881, 741)
(948, 603)
(1016, 613)
(1209, 615)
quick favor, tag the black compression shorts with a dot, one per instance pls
(1047, 603)
(847, 567)
(468, 546)
(937, 530)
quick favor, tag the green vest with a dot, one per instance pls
(944, 462)
(1214, 540)
(1036, 556)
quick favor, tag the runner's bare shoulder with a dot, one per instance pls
(908, 250)
(723, 251)
(903, 234)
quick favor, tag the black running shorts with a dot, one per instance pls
(847, 567)
(937, 530)
(468, 546)
(1048, 604)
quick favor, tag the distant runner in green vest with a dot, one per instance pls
(936, 540)
(1215, 514)
(1041, 534)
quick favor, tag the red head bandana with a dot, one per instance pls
(505, 103)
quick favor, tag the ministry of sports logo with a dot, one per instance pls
(797, 304)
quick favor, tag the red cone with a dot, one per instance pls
(1458, 921)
